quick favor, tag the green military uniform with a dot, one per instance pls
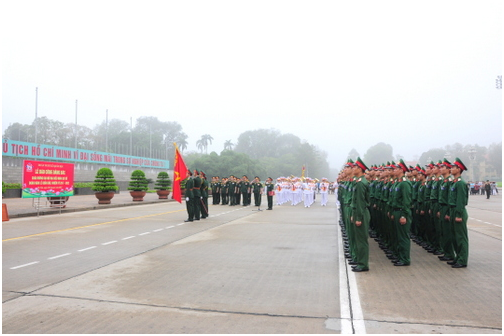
(347, 200)
(204, 196)
(231, 192)
(189, 195)
(444, 214)
(245, 191)
(360, 217)
(257, 189)
(225, 192)
(401, 203)
(197, 196)
(436, 222)
(216, 191)
(270, 188)
(238, 192)
(420, 211)
(428, 221)
(457, 199)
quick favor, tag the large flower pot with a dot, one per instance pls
(137, 195)
(58, 202)
(163, 194)
(104, 197)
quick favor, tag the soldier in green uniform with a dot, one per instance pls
(231, 190)
(420, 206)
(378, 186)
(270, 190)
(388, 222)
(245, 190)
(197, 194)
(204, 195)
(347, 200)
(224, 191)
(360, 217)
(434, 196)
(444, 213)
(189, 196)
(257, 189)
(216, 190)
(401, 203)
(373, 180)
(457, 199)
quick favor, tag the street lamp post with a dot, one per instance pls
(75, 124)
(472, 158)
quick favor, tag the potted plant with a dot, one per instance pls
(163, 185)
(104, 185)
(138, 185)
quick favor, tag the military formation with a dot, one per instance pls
(231, 190)
(396, 203)
(393, 203)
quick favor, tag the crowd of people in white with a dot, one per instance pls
(298, 189)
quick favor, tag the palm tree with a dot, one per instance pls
(200, 145)
(182, 144)
(228, 145)
(203, 142)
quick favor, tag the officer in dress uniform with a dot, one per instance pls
(232, 190)
(224, 190)
(245, 190)
(189, 196)
(444, 212)
(257, 188)
(360, 217)
(197, 194)
(457, 199)
(270, 190)
(216, 190)
(204, 195)
(401, 203)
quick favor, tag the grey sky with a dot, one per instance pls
(339, 74)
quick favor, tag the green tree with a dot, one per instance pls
(204, 141)
(495, 157)
(378, 154)
(353, 154)
(228, 145)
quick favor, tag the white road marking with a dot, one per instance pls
(352, 319)
(169, 227)
(59, 256)
(110, 242)
(180, 224)
(32, 263)
(157, 230)
(479, 220)
(87, 248)
(145, 233)
(128, 238)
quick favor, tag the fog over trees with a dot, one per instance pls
(256, 152)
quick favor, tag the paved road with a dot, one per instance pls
(141, 269)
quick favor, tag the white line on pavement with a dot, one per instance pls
(87, 248)
(145, 233)
(110, 242)
(59, 256)
(479, 220)
(352, 319)
(157, 230)
(169, 227)
(128, 238)
(32, 263)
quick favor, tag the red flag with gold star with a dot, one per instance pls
(180, 173)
